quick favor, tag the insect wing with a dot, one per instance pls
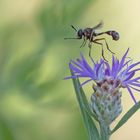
(98, 26)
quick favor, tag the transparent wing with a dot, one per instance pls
(98, 26)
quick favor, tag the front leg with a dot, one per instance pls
(84, 43)
(89, 45)
(90, 38)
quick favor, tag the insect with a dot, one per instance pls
(90, 34)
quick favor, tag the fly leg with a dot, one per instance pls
(90, 43)
(106, 44)
(89, 49)
(84, 43)
(95, 41)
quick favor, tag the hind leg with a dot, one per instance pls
(102, 49)
(105, 43)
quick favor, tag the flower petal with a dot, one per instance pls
(131, 94)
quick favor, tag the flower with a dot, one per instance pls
(119, 74)
(106, 103)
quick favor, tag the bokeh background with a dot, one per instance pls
(35, 102)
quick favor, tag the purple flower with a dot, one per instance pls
(121, 73)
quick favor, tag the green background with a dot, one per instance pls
(35, 102)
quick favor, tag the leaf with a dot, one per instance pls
(125, 118)
(5, 130)
(84, 107)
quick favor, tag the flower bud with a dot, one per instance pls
(106, 102)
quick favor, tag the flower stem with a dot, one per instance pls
(104, 132)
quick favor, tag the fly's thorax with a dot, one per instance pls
(89, 33)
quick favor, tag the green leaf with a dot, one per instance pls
(125, 118)
(83, 103)
(6, 132)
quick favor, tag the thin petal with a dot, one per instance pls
(134, 88)
(135, 84)
(123, 60)
(135, 70)
(131, 94)
(75, 69)
(133, 65)
(85, 82)
(129, 76)
(87, 66)
(134, 80)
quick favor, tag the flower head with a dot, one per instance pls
(120, 73)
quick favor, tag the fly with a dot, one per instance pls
(90, 34)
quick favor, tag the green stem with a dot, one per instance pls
(104, 132)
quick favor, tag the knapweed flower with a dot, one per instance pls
(120, 73)
(108, 80)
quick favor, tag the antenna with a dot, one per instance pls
(74, 28)
(73, 37)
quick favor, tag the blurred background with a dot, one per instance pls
(35, 102)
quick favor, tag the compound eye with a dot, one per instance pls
(115, 36)
(80, 33)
